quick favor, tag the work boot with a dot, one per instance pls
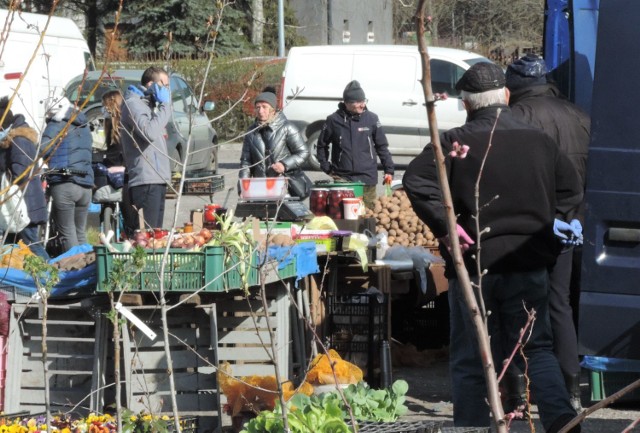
(515, 396)
(572, 382)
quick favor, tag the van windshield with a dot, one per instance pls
(75, 93)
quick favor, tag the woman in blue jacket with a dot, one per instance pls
(18, 155)
(68, 155)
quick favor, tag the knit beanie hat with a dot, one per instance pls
(530, 70)
(268, 97)
(353, 92)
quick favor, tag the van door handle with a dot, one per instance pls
(409, 102)
(624, 235)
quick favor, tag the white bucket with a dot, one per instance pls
(351, 208)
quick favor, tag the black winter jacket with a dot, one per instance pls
(281, 140)
(72, 152)
(525, 182)
(17, 154)
(569, 126)
(355, 141)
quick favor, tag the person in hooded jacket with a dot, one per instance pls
(539, 102)
(355, 137)
(18, 154)
(274, 147)
(69, 151)
(146, 111)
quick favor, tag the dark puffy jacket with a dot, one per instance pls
(526, 180)
(17, 154)
(73, 152)
(545, 107)
(355, 141)
(285, 145)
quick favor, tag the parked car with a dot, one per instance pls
(315, 76)
(189, 117)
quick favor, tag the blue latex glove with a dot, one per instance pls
(161, 93)
(574, 233)
(577, 231)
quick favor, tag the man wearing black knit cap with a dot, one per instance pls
(540, 103)
(524, 182)
(274, 147)
(355, 137)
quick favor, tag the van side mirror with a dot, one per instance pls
(208, 106)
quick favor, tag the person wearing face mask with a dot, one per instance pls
(274, 147)
(355, 138)
(145, 112)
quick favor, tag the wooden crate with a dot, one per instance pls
(76, 340)
(244, 342)
(193, 356)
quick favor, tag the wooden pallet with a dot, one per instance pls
(76, 355)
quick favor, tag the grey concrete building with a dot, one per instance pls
(339, 22)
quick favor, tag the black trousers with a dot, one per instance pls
(149, 198)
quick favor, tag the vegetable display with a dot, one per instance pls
(328, 412)
(395, 215)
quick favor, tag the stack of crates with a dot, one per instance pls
(357, 327)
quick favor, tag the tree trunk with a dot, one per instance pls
(257, 27)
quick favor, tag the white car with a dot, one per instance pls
(315, 77)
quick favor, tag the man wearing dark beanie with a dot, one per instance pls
(539, 102)
(354, 136)
(274, 147)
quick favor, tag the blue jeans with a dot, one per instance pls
(504, 295)
(70, 209)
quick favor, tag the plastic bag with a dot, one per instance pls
(420, 257)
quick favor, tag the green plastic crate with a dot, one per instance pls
(288, 271)
(185, 271)
(357, 187)
(232, 278)
(606, 383)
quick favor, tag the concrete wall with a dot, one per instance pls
(339, 22)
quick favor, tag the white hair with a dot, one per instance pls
(475, 101)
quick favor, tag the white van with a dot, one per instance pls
(315, 76)
(63, 55)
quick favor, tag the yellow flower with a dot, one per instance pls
(165, 418)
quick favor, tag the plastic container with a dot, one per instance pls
(263, 187)
(351, 208)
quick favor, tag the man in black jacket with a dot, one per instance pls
(356, 138)
(538, 102)
(524, 182)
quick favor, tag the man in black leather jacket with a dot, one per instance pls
(356, 139)
(274, 147)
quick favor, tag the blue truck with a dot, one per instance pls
(593, 48)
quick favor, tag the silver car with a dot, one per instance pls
(189, 117)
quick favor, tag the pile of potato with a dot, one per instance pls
(396, 216)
